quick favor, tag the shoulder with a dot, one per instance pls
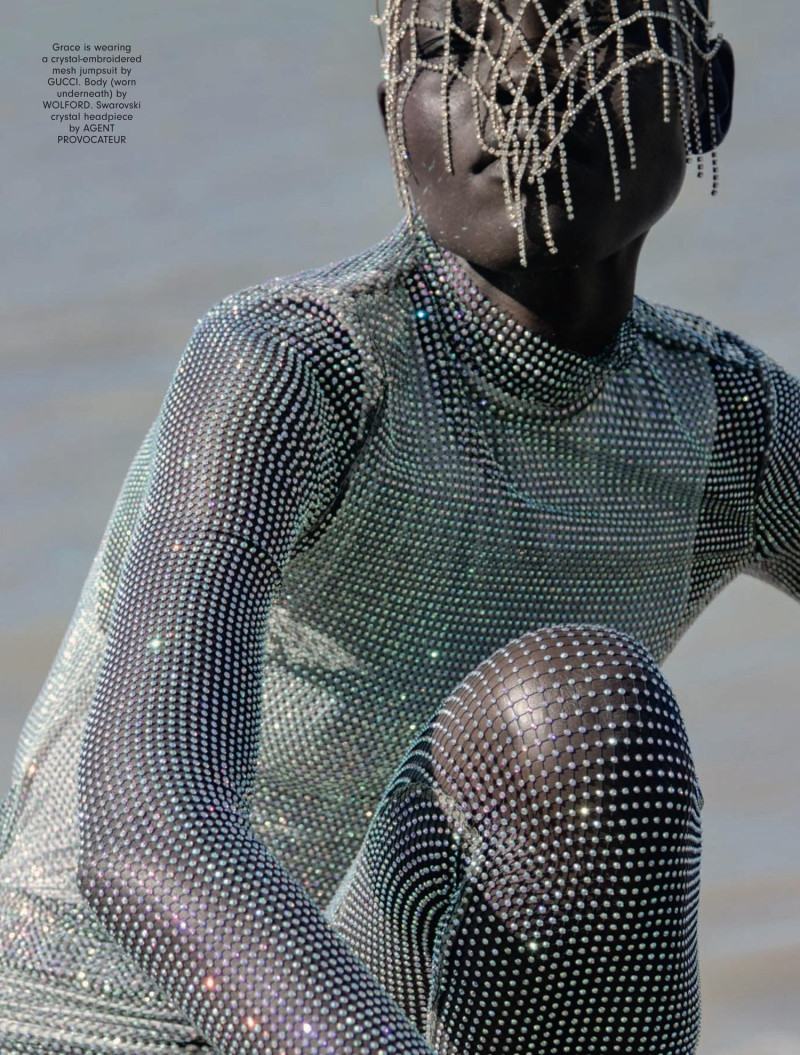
(319, 337)
(745, 379)
(729, 353)
(331, 318)
(690, 334)
(756, 395)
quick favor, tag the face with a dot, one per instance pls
(521, 120)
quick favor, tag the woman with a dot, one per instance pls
(466, 458)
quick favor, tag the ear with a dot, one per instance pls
(723, 72)
(382, 104)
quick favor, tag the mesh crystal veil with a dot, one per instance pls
(536, 69)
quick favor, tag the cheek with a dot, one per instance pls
(652, 188)
(432, 126)
(423, 139)
(660, 144)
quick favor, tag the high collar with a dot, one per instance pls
(510, 360)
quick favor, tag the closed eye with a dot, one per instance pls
(434, 48)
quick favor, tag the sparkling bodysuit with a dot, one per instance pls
(363, 480)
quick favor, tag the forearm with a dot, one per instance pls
(234, 942)
(169, 863)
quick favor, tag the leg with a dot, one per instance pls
(530, 883)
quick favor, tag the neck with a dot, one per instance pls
(580, 307)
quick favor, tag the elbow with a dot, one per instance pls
(126, 890)
(119, 852)
(92, 876)
(132, 858)
(138, 851)
(123, 885)
(118, 859)
(101, 876)
(98, 864)
(93, 858)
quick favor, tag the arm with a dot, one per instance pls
(777, 512)
(250, 453)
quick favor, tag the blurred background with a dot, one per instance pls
(258, 151)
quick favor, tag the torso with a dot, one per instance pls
(483, 501)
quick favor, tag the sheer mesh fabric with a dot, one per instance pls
(307, 671)
(776, 533)
(539, 852)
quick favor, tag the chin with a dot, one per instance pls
(480, 230)
(482, 236)
(600, 229)
(493, 249)
(577, 242)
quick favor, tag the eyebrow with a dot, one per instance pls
(461, 10)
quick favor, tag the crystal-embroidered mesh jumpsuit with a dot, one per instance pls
(472, 551)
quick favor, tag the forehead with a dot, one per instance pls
(468, 12)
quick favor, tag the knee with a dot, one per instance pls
(562, 715)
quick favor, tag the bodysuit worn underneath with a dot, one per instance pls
(362, 481)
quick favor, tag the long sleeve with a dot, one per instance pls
(777, 513)
(251, 451)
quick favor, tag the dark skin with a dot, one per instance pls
(579, 297)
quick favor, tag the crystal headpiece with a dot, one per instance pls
(583, 51)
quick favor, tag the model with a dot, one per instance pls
(357, 741)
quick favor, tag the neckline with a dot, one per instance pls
(505, 358)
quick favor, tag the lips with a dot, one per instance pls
(484, 162)
(579, 151)
(585, 141)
